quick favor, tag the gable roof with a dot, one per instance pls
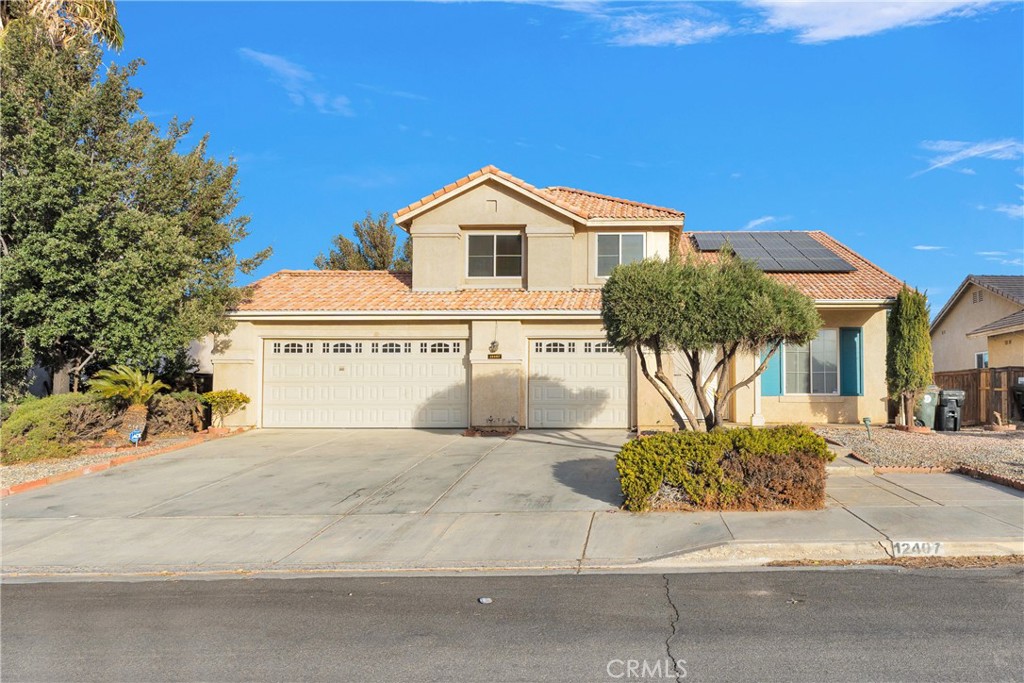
(379, 292)
(580, 204)
(1007, 286)
(1010, 323)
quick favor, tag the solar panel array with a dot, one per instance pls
(777, 252)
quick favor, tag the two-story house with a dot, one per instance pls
(499, 322)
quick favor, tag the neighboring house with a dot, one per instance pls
(499, 323)
(982, 325)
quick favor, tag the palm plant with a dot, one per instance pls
(130, 385)
(65, 20)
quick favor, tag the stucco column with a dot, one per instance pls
(757, 419)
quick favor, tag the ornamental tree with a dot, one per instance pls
(908, 354)
(375, 248)
(116, 246)
(719, 308)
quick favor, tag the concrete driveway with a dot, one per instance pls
(317, 500)
(321, 497)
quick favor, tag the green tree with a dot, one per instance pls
(115, 247)
(375, 248)
(67, 21)
(908, 354)
(721, 308)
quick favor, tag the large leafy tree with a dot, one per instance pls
(115, 246)
(374, 248)
(67, 22)
(908, 355)
(704, 309)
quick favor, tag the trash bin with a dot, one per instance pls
(1018, 399)
(947, 414)
(924, 411)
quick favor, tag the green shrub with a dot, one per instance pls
(224, 403)
(778, 467)
(39, 428)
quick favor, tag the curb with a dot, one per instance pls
(201, 437)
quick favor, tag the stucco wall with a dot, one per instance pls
(1006, 349)
(952, 349)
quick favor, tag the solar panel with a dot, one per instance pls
(777, 252)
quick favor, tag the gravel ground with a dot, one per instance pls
(999, 453)
(12, 475)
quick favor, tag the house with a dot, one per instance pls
(499, 322)
(982, 325)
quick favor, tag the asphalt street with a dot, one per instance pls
(792, 625)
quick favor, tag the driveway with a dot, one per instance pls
(316, 500)
(322, 497)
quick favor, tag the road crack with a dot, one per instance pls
(674, 626)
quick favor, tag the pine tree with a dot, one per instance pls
(373, 249)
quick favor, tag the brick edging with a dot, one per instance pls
(994, 478)
(201, 437)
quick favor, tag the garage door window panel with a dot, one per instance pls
(495, 256)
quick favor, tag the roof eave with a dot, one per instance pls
(309, 315)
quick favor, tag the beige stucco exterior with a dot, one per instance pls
(559, 254)
(952, 349)
(1006, 349)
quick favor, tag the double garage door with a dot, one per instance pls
(424, 383)
(365, 383)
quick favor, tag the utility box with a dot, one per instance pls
(947, 413)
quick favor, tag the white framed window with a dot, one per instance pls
(494, 255)
(296, 347)
(617, 248)
(813, 368)
(981, 360)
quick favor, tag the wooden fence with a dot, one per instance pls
(987, 390)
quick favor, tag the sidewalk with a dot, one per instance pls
(867, 517)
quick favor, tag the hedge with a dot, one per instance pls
(759, 469)
(48, 427)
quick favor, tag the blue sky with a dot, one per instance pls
(896, 127)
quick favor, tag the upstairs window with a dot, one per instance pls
(615, 249)
(495, 256)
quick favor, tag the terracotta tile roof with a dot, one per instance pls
(868, 281)
(585, 205)
(365, 290)
(594, 205)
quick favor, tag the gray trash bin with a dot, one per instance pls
(947, 414)
(924, 411)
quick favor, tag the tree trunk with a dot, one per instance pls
(60, 380)
(134, 418)
(680, 411)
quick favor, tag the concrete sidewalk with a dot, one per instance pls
(441, 502)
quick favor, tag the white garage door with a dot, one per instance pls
(365, 383)
(578, 383)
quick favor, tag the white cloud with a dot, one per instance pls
(990, 253)
(821, 22)
(757, 222)
(401, 94)
(947, 153)
(299, 83)
(653, 30)
(928, 247)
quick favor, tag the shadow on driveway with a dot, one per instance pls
(594, 478)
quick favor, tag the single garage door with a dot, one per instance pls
(365, 383)
(578, 383)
